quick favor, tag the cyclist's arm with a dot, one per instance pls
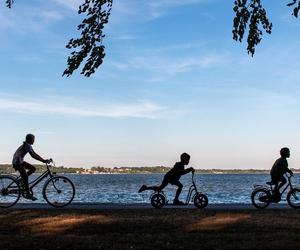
(36, 156)
(290, 171)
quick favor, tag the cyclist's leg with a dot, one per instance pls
(23, 175)
(31, 169)
(282, 182)
(275, 179)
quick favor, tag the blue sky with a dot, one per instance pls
(172, 81)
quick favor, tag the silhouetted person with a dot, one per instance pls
(173, 177)
(278, 170)
(20, 165)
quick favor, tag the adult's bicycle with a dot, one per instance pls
(262, 195)
(58, 191)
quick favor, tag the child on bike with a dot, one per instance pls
(173, 177)
(278, 170)
(20, 165)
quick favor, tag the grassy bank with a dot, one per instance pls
(149, 229)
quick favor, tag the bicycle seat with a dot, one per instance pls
(270, 183)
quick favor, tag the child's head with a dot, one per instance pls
(185, 158)
(285, 152)
(29, 139)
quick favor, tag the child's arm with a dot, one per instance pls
(188, 170)
(289, 171)
(37, 157)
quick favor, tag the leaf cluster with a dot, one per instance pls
(9, 3)
(296, 9)
(250, 15)
(89, 44)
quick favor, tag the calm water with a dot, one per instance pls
(122, 188)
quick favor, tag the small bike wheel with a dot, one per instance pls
(261, 198)
(9, 191)
(293, 198)
(158, 200)
(200, 200)
(59, 191)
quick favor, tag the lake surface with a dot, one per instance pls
(122, 188)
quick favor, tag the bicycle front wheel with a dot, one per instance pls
(9, 191)
(59, 191)
(200, 200)
(293, 198)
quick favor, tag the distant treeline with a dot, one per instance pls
(162, 169)
(131, 170)
(8, 169)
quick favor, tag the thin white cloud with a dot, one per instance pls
(50, 15)
(145, 10)
(69, 4)
(176, 47)
(171, 65)
(29, 59)
(160, 7)
(122, 37)
(143, 109)
(28, 19)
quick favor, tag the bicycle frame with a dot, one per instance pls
(37, 180)
(192, 189)
(289, 184)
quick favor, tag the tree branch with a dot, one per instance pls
(250, 15)
(90, 43)
(9, 3)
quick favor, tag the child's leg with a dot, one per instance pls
(24, 177)
(155, 188)
(164, 183)
(282, 182)
(180, 186)
(30, 167)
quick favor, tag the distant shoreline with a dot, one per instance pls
(8, 169)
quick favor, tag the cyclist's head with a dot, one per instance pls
(29, 138)
(185, 158)
(285, 152)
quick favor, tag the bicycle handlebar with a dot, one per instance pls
(50, 162)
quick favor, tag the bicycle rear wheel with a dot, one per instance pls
(158, 200)
(59, 191)
(261, 198)
(293, 198)
(9, 191)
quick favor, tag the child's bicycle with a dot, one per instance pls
(159, 199)
(262, 195)
(58, 191)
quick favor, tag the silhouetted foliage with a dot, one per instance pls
(254, 15)
(89, 46)
(90, 43)
(250, 15)
(295, 3)
(9, 3)
(8, 169)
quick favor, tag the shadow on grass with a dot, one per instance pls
(149, 229)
